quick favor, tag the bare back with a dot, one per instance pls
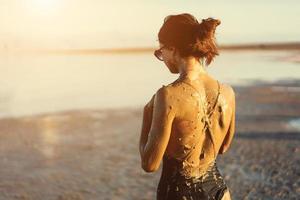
(196, 138)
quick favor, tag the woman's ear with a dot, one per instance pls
(173, 49)
(175, 54)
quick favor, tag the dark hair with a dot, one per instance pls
(190, 37)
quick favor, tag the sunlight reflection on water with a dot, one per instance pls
(49, 137)
(295, 123)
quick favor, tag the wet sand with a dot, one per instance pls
(93, 154)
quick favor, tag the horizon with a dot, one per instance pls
(120, 50)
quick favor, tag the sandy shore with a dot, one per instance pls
(93, 154)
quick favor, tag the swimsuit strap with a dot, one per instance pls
(216, 100)
(213, 108)
(206, 117)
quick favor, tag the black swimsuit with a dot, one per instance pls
(174, 186)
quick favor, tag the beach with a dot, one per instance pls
(93, 153)
(75, 77)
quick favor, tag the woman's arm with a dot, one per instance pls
(146, 124)
(152, 148)
(230, 133)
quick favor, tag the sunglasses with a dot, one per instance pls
(158, 53)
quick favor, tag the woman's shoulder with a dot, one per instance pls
(228, 89)
(227, 92)
(168, 89)
(164, 92)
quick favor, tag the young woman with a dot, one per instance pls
(190, 121)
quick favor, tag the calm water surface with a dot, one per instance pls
(48, 83)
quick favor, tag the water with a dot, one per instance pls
(295, 123)
(47, 83)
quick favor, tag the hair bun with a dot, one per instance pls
(207, 28)
(213, 21)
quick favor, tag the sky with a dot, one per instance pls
(135, 23)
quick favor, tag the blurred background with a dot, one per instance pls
(74, 76)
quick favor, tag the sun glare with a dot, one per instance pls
(46, 6)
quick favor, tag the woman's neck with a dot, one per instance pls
(191, 68)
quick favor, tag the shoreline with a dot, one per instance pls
(282, 85)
